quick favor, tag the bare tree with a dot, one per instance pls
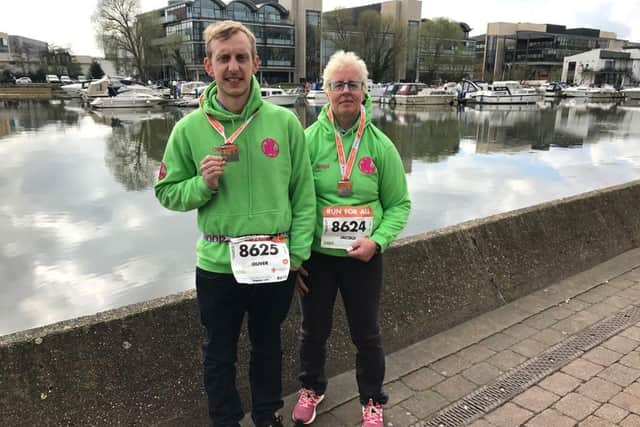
(338, 25)
(118, 30)
(382, 43)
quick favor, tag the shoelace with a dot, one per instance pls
(307, 398)
(372, 412)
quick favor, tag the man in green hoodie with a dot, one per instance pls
(242, 163)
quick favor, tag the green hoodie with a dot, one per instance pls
(268, 191)
(378, 178)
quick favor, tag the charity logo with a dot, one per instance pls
(163, 171)
(366, 165)
(270, 147)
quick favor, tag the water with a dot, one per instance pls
(81, 231)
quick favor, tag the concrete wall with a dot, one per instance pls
(141, 364)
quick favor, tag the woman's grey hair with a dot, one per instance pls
(341, 59)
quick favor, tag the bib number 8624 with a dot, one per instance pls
(348, 226)
(257, 249)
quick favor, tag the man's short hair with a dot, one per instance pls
(224, 30)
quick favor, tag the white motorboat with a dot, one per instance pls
(426, 96)
(402, 89)
(554, 89)
(603, 93)
(317, 96)
(75, 89)
(376, 90)
(278, 96)
(631, 93)
(128, 99)
(575, 91)
(498, 93)
(192, 89)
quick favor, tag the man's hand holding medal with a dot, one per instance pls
(211, 168)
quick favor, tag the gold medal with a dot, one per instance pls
(228, 151)
(345, 188)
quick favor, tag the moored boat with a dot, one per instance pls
(128, 99)
(278, 96)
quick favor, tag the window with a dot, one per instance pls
(269, 13)
(279, 36)
(240, 12)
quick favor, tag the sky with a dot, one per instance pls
(68, 24)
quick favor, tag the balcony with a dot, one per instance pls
(168, 19)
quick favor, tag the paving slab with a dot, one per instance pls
(597, 386)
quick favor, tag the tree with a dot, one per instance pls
(121, 33)
(382, 44)
(441, 50)
(6, 77)
(95, 70)
(179, 63)
(39, 76)
(338, 25)
(379, 40)
(74, 69)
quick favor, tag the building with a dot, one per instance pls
(22, 55)
(404, 12)
(283, 47)
(525, 51)
(603, 66)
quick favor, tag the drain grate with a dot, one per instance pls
(517, 380)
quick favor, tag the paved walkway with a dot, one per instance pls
(566, 355)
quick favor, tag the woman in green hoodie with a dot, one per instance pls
(362, 203)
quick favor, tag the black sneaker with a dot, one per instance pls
(276, 421)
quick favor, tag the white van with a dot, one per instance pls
(52, 78)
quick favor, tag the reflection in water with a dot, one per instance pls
(136, 145)
(20, 116)
(83, 232)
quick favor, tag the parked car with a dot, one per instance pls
(65, 80)
(23, 81)
(52, 78)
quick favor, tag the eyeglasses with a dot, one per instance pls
(352, 85)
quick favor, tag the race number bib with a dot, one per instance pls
(342, 225)
(259, 259)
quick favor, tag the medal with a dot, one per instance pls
(228, 151)
(345, 188)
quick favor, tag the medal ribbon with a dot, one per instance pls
(218, 127)
(347, 167)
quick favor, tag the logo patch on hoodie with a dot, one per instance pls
(163, 171)
(270, 147)
(367, 166)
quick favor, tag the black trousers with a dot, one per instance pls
(360, 285)
(223, 303)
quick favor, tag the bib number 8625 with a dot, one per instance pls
(348, 226)
(256, 249)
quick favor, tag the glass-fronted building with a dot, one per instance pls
(185, 21)
(526, 51)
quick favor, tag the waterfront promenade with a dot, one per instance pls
(566, 355)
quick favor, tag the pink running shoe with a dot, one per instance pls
(372, 415)
(305, 410)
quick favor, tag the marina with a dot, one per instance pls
(64, 222)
